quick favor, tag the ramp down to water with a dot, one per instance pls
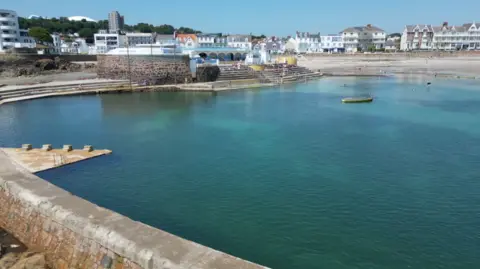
(40, 159)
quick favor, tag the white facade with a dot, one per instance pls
(211, 41)
(304, 42)
(134, 39)
(10, 34)
(104, 42)
(464, 37)
(417, 37)
(331, 43)
(445, 37)
(239, 41)
(363, 37)
(78, 46)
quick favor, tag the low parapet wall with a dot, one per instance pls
(78, 234)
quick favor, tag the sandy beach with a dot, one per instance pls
(464, 66)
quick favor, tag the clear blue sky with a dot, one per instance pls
(281, 17)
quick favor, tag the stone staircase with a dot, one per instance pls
(279, 74)
(234, 73)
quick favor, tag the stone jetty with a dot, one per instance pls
(40, 159)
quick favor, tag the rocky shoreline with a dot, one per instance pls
(30, 67)
(15, 255)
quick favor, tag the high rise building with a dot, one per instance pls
(115, 22)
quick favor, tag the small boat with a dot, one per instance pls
(366, 99)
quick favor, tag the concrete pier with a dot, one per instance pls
(40, 159)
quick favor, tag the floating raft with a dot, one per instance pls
(45, 158)
(357, 99)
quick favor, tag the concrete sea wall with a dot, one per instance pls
(152, 69)
(78, 234)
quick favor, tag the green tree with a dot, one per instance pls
(40, 34)
(371, 48)
(86, 33)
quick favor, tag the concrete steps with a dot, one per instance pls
(34, 90)
(234, 73)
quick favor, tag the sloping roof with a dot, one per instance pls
(241, 36)
(184, 37)
(307, 35)
(411, 28)
(468, 25)
(208, 35)
(460, 28)
(367, 28)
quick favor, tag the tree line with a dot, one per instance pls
(86, 29)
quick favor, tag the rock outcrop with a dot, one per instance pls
(26, 260)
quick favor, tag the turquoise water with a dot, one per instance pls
(286, 177)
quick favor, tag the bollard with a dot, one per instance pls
(26, 147)
(88, 148)
(47, 147)
(67, 148)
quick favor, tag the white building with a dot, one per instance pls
(239, 41)
(211, 41)
(417, 37)
(331, 43)
(186, 40)
(363, 37)
(304, 42)
(104, 42)
(10, 34)
(463, 37)
(445, 37)
(134, 39)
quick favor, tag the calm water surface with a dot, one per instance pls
(287, 177)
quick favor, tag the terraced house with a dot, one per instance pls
(444, 37)
(363, 37)
(417, 37)
(463, 37)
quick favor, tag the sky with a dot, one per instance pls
(277, 18)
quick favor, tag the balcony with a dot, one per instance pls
(3, 35)
(8, 27)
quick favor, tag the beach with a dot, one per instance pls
(382, 64)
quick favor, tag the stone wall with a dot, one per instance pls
(77, 234)
(207, 73)
(151, 70)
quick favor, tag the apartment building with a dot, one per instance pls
(363, 37)
(115, 22)
(11, 36)
(462, 37)
(444, 37)
(105, 41)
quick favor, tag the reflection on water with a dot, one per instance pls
(288, 177)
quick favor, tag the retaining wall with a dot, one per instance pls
(149, 69)
(78, 234)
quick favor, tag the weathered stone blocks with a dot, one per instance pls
(145, 69)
